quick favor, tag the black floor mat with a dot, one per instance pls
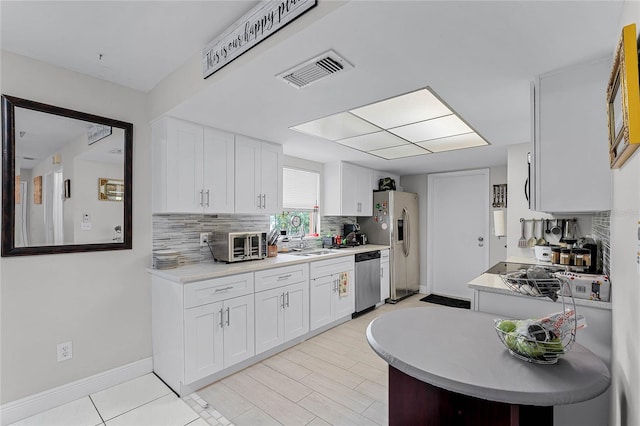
(447, 301)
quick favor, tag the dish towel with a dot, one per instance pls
(344, 284)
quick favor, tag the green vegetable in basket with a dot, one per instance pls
(523, 346)
(553, 346)
(507, 326)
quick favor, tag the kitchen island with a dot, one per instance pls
(448, 366)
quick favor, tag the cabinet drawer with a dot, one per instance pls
(384, 256)
(214, 290)
(278, 277)
(323, 268)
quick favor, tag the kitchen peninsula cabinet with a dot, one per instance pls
(258, 176)
(327, 303)
(570, 171)
(193, 168)
(348, 190)
(282, 305)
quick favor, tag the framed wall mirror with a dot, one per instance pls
(52, 161)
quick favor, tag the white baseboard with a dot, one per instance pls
(28, 406)
(423, 289)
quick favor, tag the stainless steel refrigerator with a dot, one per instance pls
(395, 223)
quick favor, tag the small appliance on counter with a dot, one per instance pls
(238, 246)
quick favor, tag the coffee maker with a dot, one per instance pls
(352, 235)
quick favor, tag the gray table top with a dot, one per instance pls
(459, 350)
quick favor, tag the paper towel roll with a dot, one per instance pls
(499, 223)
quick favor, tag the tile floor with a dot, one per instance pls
(331, 379)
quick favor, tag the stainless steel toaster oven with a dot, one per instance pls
(239, 246)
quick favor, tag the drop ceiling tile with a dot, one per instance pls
(338, 126)
(432, 129)
(373, 141)
(401, 151)
(468, 140)
(404, 109)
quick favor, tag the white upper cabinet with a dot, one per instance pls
(570, 171)
(193, 168)
(348, 190)
(258, 176)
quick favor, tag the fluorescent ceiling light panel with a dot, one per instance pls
(410, 108)
(468, 140)
(432, 129)
(373, 141)
(337, 126)
(416, 123)
(408, 150)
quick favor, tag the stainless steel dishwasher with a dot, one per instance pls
(367, 280)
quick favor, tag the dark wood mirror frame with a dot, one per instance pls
(9, 103)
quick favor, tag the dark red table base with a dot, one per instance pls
(414, 402)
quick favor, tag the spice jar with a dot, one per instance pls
(555, 255)
(587, 257)
(565, 256)
(578, 257)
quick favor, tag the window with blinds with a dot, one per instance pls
(300, 189)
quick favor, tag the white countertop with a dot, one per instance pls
(208, 270)
(493, 283)
(459, 350)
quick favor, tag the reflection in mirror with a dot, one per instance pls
(52, 160)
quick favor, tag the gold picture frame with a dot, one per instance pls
(623, 100)
(110, 189)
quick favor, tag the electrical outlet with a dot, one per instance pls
(65, 351)
(204, 239)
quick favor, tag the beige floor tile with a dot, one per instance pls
(333, 345)
(318, 351)
(272, 403)
(374, 390)
(226, 401)
(255, 417)
(348, 397)
(378, 412)
(373, 374)
(168, 410)
(80, 412)
(318, 422)
(333, 372)
(332, 412)
(277, 381)
(370, 358)
(294, 355)
(286, 367)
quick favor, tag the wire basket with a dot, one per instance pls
(520, 282)
(545, 340)
(540, 346)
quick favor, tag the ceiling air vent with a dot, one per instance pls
(315, 69)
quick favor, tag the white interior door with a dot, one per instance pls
(457, 231)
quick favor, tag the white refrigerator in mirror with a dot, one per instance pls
(395, 223)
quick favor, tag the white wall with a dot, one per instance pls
(625, 278)
(101, 300)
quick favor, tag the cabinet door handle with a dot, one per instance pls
(282, 303)
(223, 289)
(284, 277)
(287, 299)
(259, 201)
(207, 198)
(264, 201)
(201, 198)
(228, 317)
(221, 316)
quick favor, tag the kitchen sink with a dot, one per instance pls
(313, 253)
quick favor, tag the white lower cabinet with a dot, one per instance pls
(282, 308)
(385, 281)
(218, 335)
(327, 304)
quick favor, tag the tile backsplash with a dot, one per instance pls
(601, 233)
(181, 232)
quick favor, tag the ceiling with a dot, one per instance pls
(478, 56)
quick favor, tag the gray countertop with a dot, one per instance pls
(207, 270)
(459, 350)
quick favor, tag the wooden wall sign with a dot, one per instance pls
(37, 190)
(255, 26)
